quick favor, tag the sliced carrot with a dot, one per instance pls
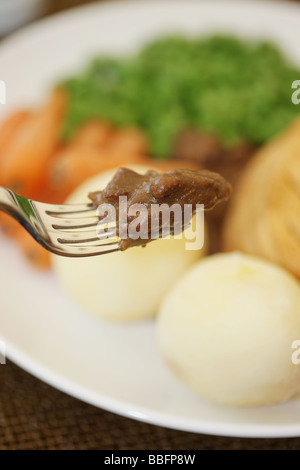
(38, 256)
(9, 226)
(52, 195)
(10, 126)
(26, 158)
(75, 164)
(34, 253)
(93, 133)
(129, 141)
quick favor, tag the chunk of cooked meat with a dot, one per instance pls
(173, 187)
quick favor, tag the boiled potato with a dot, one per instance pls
(125, 285)
(227, 328)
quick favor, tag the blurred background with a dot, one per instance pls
(15, 13)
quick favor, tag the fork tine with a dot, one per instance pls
(84, 237)
(55, 210)
(49, 224)
(56, 216)
(73, 224)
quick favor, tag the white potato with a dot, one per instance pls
(125, 285)
(227, 327)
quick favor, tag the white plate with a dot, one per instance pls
(117, 367)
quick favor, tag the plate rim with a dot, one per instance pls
(143, 414)
(74, 11)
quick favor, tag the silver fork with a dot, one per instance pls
(67, 230)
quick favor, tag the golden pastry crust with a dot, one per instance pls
(264, 214)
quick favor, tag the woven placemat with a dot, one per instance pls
(35, 416)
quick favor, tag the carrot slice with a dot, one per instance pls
(129, 141)
(9, 226)
(10, 126)
(34, 253)
(27, 156)
(93, 133)
(75, 164)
